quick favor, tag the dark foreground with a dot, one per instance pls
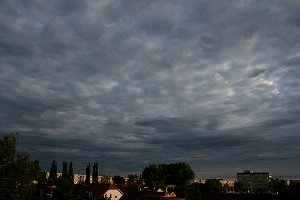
(217, 196)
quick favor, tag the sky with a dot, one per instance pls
(130, 83)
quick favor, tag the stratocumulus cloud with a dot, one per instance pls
(129, 83)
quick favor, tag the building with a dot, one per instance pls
(104, 191)
(80, 178)
(254, 181)
(229, 182)
(159, 195)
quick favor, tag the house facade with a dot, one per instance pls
(105, 190)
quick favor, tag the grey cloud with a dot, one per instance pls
(131, 83)
(256, 72)
(280, 122)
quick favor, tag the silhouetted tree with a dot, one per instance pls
(53, 172)
(295, 187)
(88, 174)
(65, 170)
(105, 179)
(130, 179)
(227, 188)
(197, 187)
(139, 179)
(158, 176)
(71, 173)
(17, 172)
(278, 186)
(212, 186)
(118, 180)
(238, 186)
(152, 176)
(65, 183)
(95, 173)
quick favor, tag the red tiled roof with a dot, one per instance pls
(153, 195)
(100, 189)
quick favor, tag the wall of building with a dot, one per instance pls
(253, 181)
(113, 194)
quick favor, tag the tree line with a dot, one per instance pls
(68, 173)
(21, 178)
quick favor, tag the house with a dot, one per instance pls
(159, 195)
(131, 191)
(104, 190)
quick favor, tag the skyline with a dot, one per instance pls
(129, 83)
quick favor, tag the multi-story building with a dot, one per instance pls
(254, 181)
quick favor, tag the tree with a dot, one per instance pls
(278, 186)
(95, 173)
(212, 186)
(226, 188)
(65, 183)
(134, 179)
(105, 179)
(71, 172)
(197, 187)
(238, 186)
(118, 180)
(88, 174)
(17, 171)
(65, 170)
(64, 188)
(161, 175)
(53, 172)
(152, 175)
(8, 149)
(130, 179)
(181, 174)
(295, 187)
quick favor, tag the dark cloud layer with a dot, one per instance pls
(129, 83)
